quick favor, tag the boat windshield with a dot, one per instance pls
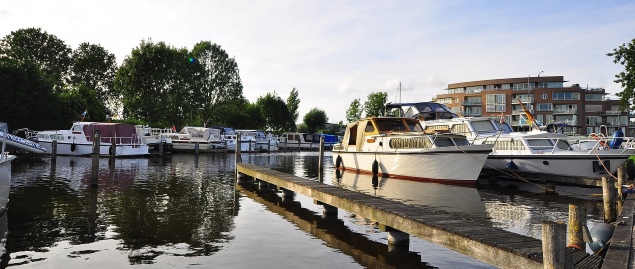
(483, 126)
(390, 125)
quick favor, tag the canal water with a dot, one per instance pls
(185, 211)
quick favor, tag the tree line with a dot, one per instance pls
(44, 84)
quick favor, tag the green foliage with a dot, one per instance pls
(625, 55)
(293, 103)
(47, 52)
(354, 111)
(315, 120)
(277, 117)
(95, 68)
(302, 128)
(375, 104)
(27, 98)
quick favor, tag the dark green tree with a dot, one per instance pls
(625, 55)
(293, 103)
(374, 106)
(95, 68)
(315, 119)
(218, 79)
(47, 52)
(277, 117)
(354, 111)
(27, 99)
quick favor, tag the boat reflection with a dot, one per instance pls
(457, 200)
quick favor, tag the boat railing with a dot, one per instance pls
(134, 140)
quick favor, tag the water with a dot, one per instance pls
(186, 212)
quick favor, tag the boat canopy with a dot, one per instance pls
(422, 110)
(124, 132)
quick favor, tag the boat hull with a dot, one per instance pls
(203, 146)
(571, 163)
(83, 149)
(449, 166)
(5, 181)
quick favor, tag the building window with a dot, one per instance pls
(505, 87)
(545, 107)
(566, 109)
(566, 96)
(593, 97)
(593, 120)
(544, 96)
(489, 87)
(496, 102)
(592, 108)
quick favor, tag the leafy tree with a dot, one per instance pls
(302, 128)
(27, 97)
(218, 78)
(95, 68)
(47, 52)
(315, 119)
(625, 55)
(354, 111)
(293, 103)
(374, 106)
(276, 113)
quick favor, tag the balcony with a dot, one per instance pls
(523, 100)
(610, 113)
(565, 111)
(471, 103)
(472, 113)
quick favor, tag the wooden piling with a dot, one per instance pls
(113, 148)
(621, 178)
(94, 176)
(299, 143)
(577, 220)
(237, 159)
(320, 160)
(196, 145)
(161, 144)
(553, 244)
(608, 192)
(54, 149)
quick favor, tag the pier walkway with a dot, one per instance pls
(620, 251)
(495, 246)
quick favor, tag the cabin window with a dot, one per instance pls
(400, 143)
(562, 144)
(352, 137)
(483, 127)
(415, 127)
(540, 144)
(443, 142)
(385, 126)
(432, 128)
(460, 129)
(461, 141)
(369, 128)
(506, 145)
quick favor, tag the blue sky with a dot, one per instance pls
(333, 52)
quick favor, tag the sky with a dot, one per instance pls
(335, 51)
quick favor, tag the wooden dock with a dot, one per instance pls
(620, 252)
(495, 246)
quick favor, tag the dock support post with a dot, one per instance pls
(113, 148)
(237, 159)
(320, 160)
(553, 244)
(577, 221)
(285, 144)
(621, 178)
(54, 149)
(299, 144)
(94, 175)
(608, 191)
(161, 146)
(196, 145)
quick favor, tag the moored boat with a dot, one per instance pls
(156, 137)
(5, 170)
(397, 147)
(77, 141)
(533, 153)
(191, 139)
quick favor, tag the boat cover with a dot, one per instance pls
(125, 133)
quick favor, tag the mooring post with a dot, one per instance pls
(95, 164)
(237, 160)
(320, 160)
(54, 149)
(621, 178)
(196, 148)
(553, 244)
(299, 143)
(161, 143)
(608, 192)
(113, 148)
(577, 221)
(285, 144)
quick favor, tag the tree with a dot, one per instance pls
(276, 114)
(375, 104)
(47, 52)
(625, 55)
(354, 111)
(315, 119)
(95, 68)
(219, 80)
(293, 103)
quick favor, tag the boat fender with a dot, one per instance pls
(511, 166)
(73, 146)
(375, 167)
(338, 162)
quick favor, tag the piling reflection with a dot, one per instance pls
(333, 232)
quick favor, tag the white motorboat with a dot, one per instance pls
(77, 141)
(303, 141)
(397, 147)
(5, 169)
(156, 137)
(21, 144)
(189, 139)
(536, 151)
(264, 142)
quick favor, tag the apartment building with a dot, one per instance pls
(578, 110)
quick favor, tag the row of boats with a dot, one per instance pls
(123, 140)
(431, 143)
